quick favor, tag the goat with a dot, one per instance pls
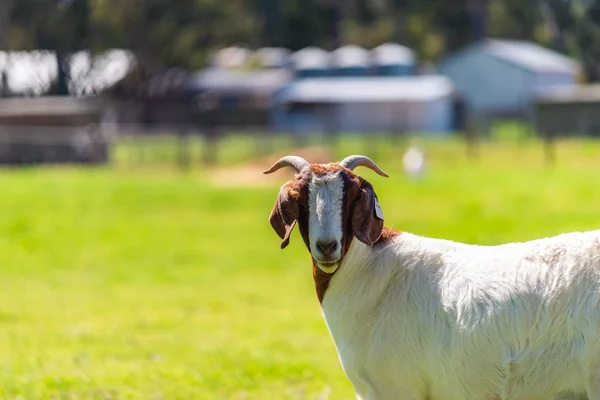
(418, 318)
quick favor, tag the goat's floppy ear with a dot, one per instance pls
(367, 217)
(285, 214)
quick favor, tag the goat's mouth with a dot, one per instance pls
(329, 267)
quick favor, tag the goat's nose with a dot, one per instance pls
(327, 247)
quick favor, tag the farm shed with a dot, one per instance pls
(571, 110)
(240, 97)
(311, 62)
(51, 130)
(392, 59)
(502, 77)
(365, 104)
(230, 57)
(350, 61)
(273, 57)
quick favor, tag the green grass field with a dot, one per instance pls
(147, 283)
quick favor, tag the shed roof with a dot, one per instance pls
(239, 81)
(230, 57)
(48, 106)
(368, 89)
(530, 56)
(570, 94)
(273, 57)
(311, 57)
(350, 56)
(392, 54)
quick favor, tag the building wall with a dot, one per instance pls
(440, 116)
(312, 72)
(395, 70)
(428, 117)
(568, 118)
(543, 81)
(350, 71)
(487, 83)
(381, 117)
(433, 116)
(301, 118)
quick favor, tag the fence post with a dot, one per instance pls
(206, 105)
(470, 134)
(211, 139)
(333, 127)
(264, 141)
(396, 131)
(549, 147)
(183, 155)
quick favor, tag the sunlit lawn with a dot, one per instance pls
(141, 283)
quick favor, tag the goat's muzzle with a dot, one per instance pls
(327, 255)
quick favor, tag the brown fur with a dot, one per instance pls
(324, 169)
(358, 218)
(387, 235)
(285, 213)
(321, 279)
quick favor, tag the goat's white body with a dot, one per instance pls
(422, 318)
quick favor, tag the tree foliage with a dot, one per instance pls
(164, 33)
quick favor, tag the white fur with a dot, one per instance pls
(325, 201)
(423, 318)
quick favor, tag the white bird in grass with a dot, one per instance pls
(414, 162)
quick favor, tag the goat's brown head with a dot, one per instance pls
(331, 205)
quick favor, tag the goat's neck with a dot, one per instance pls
(355, 292)
(358, 263)
(323, 279)
(360, 276)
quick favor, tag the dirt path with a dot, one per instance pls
(250, 174)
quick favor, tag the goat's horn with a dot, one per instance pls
(352, 162)
(298, 163)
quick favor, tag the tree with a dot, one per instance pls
(577, 31)
(57, 25)
(6, 7)
(585, 30)
(165, 34)
(182, 34)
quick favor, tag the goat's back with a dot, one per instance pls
(457, 321)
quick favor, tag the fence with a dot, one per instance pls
(22, 144)
(187, 146)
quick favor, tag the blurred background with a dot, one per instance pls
(138, 261)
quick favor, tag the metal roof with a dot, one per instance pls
(224, 80)
(530, 56)
(230, 57)
(368, 89)
(311, 57)
(570, 94)
(350, 56)
(392, 54)
(273, 57)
